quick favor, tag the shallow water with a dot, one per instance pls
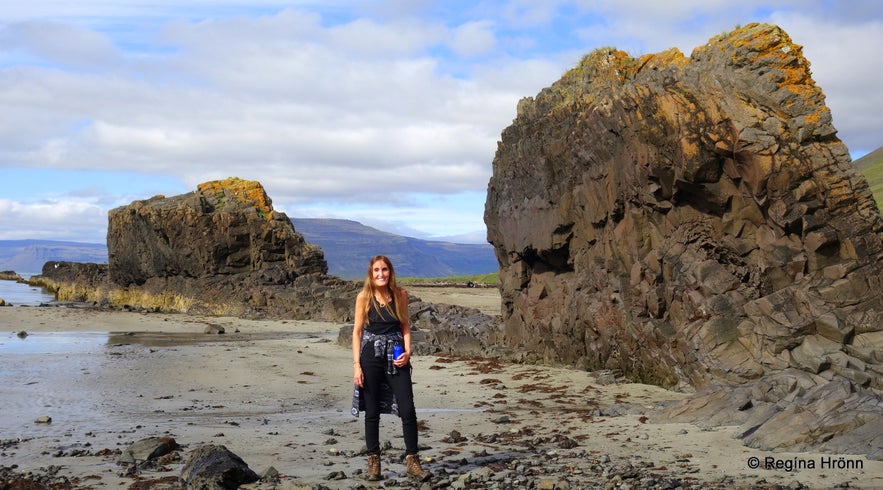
(20, 294)
(37, 375)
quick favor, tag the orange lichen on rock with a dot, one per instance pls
(663, 59)
(770, 46)
(248, 192)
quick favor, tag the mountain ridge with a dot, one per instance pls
(28, 256)
(347, 245)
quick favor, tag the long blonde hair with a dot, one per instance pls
(370, 290)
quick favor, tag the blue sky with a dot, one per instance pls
(384, 112)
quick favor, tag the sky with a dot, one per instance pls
(384, 112)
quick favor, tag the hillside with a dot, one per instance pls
(871, 166)
(348, 245)
(28, 256)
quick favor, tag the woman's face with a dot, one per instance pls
(380, 273)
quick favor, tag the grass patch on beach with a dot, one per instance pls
(492, 279)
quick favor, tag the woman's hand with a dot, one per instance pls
(402, 360)
(358, 376)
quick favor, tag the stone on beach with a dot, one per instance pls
(214, 467)
(147, 449)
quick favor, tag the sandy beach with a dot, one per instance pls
(277, 393)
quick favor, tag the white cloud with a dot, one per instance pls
(473, 39)
(526, 13)
(344, 125)
(53, 42)
(53, 220)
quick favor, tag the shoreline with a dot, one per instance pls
(277, 394)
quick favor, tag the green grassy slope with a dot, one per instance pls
(871, 165)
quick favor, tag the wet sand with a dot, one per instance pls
(277, 393)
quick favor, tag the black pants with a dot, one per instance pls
(374, 369)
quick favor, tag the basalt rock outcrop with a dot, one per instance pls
(696, 222)
(221, 249)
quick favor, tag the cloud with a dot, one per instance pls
(473, 39)
(53, 42)
(71, 219)
(318, 119)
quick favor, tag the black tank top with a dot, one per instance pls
(382, 320)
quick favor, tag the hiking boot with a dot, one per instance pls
(415, 471)
(374, 467)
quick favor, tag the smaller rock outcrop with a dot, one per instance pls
(220, 250)
(10, 276)
(225, 227)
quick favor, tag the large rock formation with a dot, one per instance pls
(222, 249)
(696, 222)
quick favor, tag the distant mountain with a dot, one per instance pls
(28, 256)
(348, 245)
(871, 166)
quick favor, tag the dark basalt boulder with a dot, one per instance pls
(695, 222)
(214, 467)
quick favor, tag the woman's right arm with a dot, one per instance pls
(358, 325)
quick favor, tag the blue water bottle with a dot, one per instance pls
(397, 351)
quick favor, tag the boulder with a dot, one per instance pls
(694, 222)
(213, 467)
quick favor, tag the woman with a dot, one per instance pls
(383, 383)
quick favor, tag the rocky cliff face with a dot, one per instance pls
(694, 222)
(221, 249)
